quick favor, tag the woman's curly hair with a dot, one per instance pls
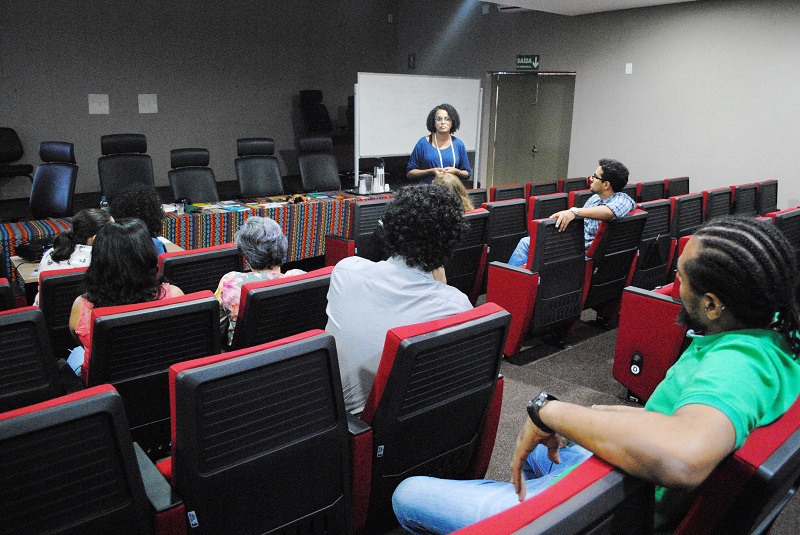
(424, 224)
(142, 202)
(455, 120)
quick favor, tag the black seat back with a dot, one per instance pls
(190, 177)
(318, 168)
(254, 429)
(612, 253)
(123, 163)
(687, 214)
(655, 248)
(57, 292)
(200, 269)
(543, 206)
(558, 258)
(507, 224)
(716, 203)
(565, 185)
(54, 181)
(478, 196)
(466, 267)
(258, 171)
(788, 221)
(504, 193)
(6, 294)
(28, 372)
(70, 467)
(541, 188)
(649, 191)
(367, 231)
(274, 309)
(676, 186)
(578, 198)
(767, 199)
(745, 199)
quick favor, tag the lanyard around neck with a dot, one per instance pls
(452, 148)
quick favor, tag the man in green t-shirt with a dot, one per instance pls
(739, 286)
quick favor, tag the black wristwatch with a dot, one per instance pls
(535, 405)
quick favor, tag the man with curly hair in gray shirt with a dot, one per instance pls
(422, 227)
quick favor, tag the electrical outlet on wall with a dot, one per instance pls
(412, 61)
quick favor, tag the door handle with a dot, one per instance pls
(534, 151)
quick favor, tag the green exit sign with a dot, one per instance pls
(528, 62)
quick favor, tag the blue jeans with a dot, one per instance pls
(520, 255)
(426, 505)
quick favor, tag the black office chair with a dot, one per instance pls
(10, 152)
(318, 168)
(258, 171)
(314, 112)
(123, 163)
(190, 176)
(54, 181)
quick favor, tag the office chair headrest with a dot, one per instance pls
(189, 158)
(57, 151)
(255, 146)
(316, 144)
(123, 143)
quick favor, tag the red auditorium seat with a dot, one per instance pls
(58, 290)
(716, 202)
(504, 193)
(366, 215)
(132, 347)
(200, 269)
(274, 309)
(788, 221)
(540, 188)
(466, 268)
(657, 248)
(579, 197)
(546, 294)
(767, 198)
(478, 196)
(565, 185)
(676, 186)
(745, 199)
(68, 466)
(687, 214)
(260, 440)
(650, 191)
(543, 206)
(6, 295)
(507, 224)
(433, 409)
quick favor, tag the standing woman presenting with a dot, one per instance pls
(439, 152)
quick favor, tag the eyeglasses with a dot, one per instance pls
(594, 176)
(440, 118)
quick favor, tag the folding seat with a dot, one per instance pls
(649, 191)
(745, 198)
(478, 196)
(132, 346)
(190, 177)
(716, 202)
(200, 269)
(565, 185)
(788, 221)
(365, 242)
(6, 294)
(687, 214)
(579, 197)
(260, 441)
(543, 206)
(467, 266)
(58, 290)
(676, 186)
(546, 294)
(744, 494)
(274, 309)
(611, 262)
(124, 162)
(656, 248)
(767, 198)
(258, 171)
(68, 466)
(54, 181)
(318, 168)
(541, 188)
(507, 225)
(433, 409)
(507, 192)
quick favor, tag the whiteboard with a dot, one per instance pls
(391, 110)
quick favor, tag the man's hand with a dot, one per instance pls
(563, 218)
(529, 437)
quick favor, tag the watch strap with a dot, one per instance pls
(535, 405)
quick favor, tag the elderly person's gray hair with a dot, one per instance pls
(262, 243)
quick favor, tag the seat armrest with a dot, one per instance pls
(360, 468)
(159, 491)
(513, 288)
(337, 248)
(356, 426)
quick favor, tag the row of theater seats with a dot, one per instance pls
(125, 160)
(256, 439)
(744, 494)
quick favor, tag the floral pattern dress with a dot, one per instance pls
(229, 292)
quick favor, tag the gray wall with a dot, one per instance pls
(713, 93)
(221, 70)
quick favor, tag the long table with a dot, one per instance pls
(305, 225)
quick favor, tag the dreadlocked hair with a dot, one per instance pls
(752, 268)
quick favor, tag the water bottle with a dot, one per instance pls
(104, 203)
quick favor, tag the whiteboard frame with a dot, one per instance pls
(477, 119)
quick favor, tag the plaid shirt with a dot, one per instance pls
(619, 203)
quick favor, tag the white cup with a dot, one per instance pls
(179, 208)
(386, 188)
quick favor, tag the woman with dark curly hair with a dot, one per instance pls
(142, 202)
(124, 271)
(440, 151)
(422, 227)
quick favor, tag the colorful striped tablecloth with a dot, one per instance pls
(14, 234)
